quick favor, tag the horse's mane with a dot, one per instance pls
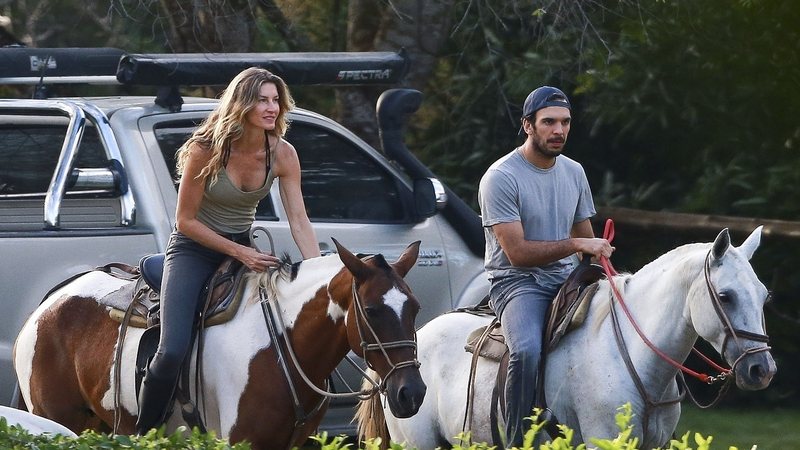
(269, 279)
(604, 307)
(677, 257)
(285, 271)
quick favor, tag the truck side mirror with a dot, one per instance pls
(429, 197)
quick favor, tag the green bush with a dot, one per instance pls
(623, 441)
(13, 437)
(17, 438)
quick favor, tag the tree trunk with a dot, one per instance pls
(296, 41)
(6, 36)
(209, 26)
(390, 26)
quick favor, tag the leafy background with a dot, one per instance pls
(679, 105)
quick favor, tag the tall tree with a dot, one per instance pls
(420, 28)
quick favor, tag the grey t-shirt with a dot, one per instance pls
(548, 202)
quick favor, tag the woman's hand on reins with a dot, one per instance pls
(257, 261)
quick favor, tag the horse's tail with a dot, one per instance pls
(20, 400)
(370, 418)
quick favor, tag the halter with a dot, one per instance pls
(730, 331)
(381, 346)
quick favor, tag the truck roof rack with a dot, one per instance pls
(203, 69)
(32, 66)
(41, 66)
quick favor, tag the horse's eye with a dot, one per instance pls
(724, 298)
(372, 311)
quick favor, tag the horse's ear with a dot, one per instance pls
(752, 242)
(721, 244)
(407, 260)
(353, 263)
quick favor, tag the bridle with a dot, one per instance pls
(730, 332)
(267, 307)
(276, 328)
(378, 345)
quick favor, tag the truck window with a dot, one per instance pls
(29, 154)
(341, 182)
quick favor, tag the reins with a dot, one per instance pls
(610, 272)
(730, 331)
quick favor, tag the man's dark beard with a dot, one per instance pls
(547, 152)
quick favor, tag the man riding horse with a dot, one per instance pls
(535, 205)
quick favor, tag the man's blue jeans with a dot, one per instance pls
(521, 302)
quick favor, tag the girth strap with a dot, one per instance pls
(469, 407)
(274, 326)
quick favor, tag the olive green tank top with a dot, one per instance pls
(226, 209)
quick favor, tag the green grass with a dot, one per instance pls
(777, 429)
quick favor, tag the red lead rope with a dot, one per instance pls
(608, 234)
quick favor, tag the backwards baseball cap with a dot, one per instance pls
(542, 97)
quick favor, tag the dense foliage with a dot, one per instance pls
(14, 437)
(17, 438)
(679, 105)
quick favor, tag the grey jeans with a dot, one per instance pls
(521, 303)
(187, 267)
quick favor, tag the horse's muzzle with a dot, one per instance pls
(754, 371)
(405, 392)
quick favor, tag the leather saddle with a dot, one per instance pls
(566, 312)
(222, 292)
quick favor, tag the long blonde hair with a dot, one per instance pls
(225, 124)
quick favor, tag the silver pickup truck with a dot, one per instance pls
(87, 181)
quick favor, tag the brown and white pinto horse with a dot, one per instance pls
(64, 355)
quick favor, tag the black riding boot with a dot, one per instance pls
(155, 397)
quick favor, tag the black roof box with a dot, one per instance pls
(335, 68)
(23, 65)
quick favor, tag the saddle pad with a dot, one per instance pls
(493, 346)
(138, 293)
(570, 317)
(582, 308)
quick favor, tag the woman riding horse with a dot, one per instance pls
(262, 373)
(227, 166)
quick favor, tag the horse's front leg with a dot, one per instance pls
(662, 425)
(596, 414)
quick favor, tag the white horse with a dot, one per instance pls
(33, 423)
(672, 299)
